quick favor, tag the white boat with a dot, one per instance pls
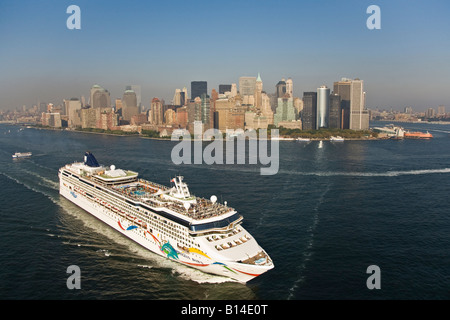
(22, 154)
(169, 221)
(337, 139)
(282, 139)
(320, 144)
(303, 139)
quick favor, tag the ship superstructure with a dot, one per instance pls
(169, 221)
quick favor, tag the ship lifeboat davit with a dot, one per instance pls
(418, 135)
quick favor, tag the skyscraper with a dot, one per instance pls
(247, 86)
(129, 105)
(73, 108)
(224, 88)
(137, 89)
(157, 112)
(290, 87)
(334, 118)
(354, 116)
(281, 88)
(323, 107)
(100, 97)
(285, 110)
(309, 112)
(258, 92)
(198, 88)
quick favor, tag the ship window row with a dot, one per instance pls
(166, 226)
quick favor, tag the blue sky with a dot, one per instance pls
(164, 45)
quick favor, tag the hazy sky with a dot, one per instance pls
(164, 45)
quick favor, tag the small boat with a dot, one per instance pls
(320, 144)
(337, 139)
(282, 139)
(21, 155)
(303, 139)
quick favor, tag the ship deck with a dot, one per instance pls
(151, 193)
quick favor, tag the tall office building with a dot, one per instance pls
(185, 94)
(247, 86)
(290, 87)
(198, 88)
(233, 90)
(129, 105)
(73, 109)
(354, 116)
(156, 110)
(258, 92)
(100, 97)
(206, 111)
(224, 88)
(137, 89)
(309, 112)
(323, 107)
(342, 88)
(285, 110)
(334, 118)
(177, 98)
(281, 88)
(359, 117)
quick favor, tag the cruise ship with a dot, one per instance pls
(169, 221)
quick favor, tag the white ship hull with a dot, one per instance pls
(201, 255)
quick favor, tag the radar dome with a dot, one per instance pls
(113, 167)
(213, 199)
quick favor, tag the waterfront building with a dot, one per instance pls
(285, 110)
(73, 108)
(109, 120)
(323, 107)
(354, 116)
(334, 118)
(89, 117)
(51, 119)
(182, 117)
(156, 110)
(129, 105)
(170, 117)
(309, 112)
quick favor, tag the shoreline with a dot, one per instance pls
(138, 135)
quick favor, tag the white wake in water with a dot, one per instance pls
(309, 248)
(370, 174)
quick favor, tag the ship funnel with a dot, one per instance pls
(90, 160)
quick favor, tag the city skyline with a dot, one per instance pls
(164, 46)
